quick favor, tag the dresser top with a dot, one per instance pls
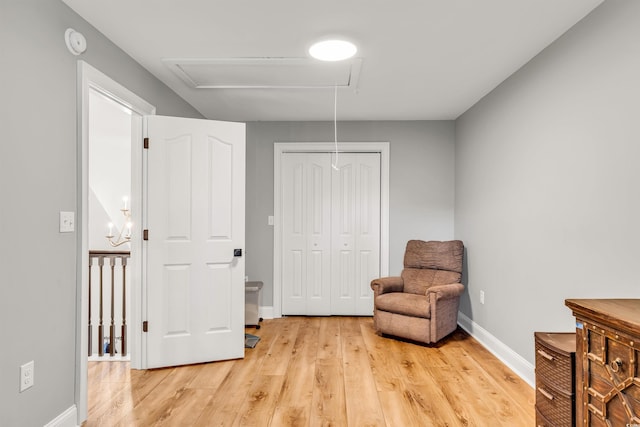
(562, 341)
(622, 314)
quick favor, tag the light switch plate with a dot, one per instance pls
(67, 222)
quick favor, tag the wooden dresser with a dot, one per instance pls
(555, 379)
(608, 344)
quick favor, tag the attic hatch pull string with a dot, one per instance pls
(334, 165)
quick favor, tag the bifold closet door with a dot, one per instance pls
(330, 232)
(306, 233)
(355, 237)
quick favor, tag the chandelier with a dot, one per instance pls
(124, 234)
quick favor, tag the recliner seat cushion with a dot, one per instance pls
(404, 303)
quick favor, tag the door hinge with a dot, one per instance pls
(145, 234)
(146, 143)
(145, 326)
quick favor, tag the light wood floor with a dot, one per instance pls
(319, 371)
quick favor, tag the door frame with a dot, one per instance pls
(279, 148)
(90, 78)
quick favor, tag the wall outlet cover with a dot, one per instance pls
(26, 376)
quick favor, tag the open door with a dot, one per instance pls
(194, 219)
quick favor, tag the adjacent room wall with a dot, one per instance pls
(421, 183)
(548, 183)
(38, 178)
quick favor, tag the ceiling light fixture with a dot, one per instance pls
(333, 50)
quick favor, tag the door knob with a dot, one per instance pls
(237, 252)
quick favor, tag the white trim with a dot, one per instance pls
(348, 71)
(108, 358)
(326, 147)
(265, 312)
(89, 78)
(65, 419)
(505, 354)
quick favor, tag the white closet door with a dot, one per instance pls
(330, 233)
(355, 233)
(306, 233)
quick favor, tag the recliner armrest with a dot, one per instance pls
(384, 285)
(439, 292)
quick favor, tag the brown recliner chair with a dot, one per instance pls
(422, 304)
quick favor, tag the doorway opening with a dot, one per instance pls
(95, 88)
(109, 228)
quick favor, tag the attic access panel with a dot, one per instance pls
(265, 73)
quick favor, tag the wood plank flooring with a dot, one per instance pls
(319, 371)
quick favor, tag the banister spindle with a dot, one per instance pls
(90, 327)
(112, 327)
(123, 334)
(100, 325)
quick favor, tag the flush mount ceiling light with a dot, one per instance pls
(333, 50)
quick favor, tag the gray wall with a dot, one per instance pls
(421, 183)
(547, 181)
(38, 170)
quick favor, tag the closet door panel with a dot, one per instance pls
(294, 295)
(306, 222)
(356, 232)
(368, 230)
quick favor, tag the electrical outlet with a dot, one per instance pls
(26, 376)
(481, 297)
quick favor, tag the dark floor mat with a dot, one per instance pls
(250, 341)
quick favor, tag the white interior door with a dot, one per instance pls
(355, 237)
(306, 228)
(195, 217)
(330, 233)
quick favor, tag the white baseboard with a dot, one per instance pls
(266, 312)
(513, 360)
(66, 419)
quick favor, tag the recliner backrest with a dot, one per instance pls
(431, 263)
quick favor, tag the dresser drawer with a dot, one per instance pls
(541, 420)
(556, 367)
(555, 406)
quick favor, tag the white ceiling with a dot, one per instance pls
(419, 59)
